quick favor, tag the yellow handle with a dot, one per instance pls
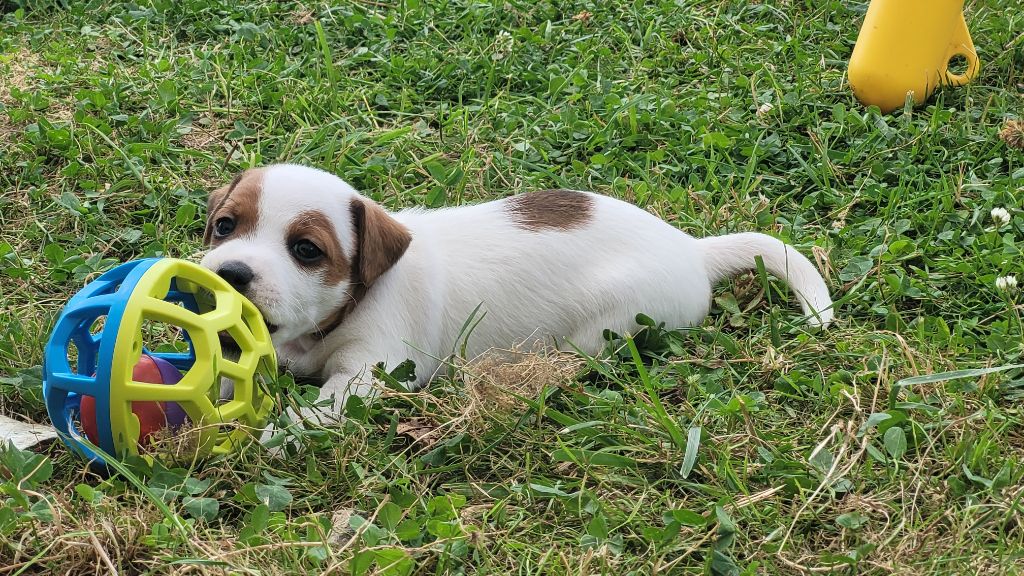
(962, 45)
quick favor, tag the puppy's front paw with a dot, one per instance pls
(274, 436)
(339, 388)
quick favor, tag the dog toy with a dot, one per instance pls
(905, 46)
(102, 382)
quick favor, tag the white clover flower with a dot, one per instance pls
(1001, 216)
(764, 109)
(503, 44)
(1006, 283)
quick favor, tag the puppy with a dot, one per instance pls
(344, 284)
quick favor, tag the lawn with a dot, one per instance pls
(746, 446)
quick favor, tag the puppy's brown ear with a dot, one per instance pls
(381, 240)
(213, 202)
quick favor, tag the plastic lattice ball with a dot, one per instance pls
(141, 349)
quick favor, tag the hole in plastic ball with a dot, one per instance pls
(162, 337)
(957, 65)
(73, 357)
(96, 328)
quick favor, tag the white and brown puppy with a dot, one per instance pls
(345, 284)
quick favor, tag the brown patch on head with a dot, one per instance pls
(381, 240)
(550, 210)
(314, 226)
(239, 201)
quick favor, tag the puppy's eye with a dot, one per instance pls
(223, 226)
(306, 252)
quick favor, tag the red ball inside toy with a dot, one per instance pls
(153, 416)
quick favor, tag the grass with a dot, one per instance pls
(747, 446)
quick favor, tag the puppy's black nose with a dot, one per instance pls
(238, 274)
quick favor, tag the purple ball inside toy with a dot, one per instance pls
(173, 412)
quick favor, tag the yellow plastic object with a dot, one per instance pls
(222, 310)
(905, 46)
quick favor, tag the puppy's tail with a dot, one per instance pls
(727, 255)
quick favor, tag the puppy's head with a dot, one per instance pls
(301, 244)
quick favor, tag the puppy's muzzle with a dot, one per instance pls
(240, 276)
(237, 273)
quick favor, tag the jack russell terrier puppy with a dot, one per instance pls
(344, 284)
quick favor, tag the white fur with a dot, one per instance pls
(563, 287)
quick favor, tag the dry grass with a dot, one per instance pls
(492, 385)
(86, 539)
(16, 72)
(302, 16)
(180, 446)
(206, 132)
(497, 381)
(18, 69)
(1013, 134)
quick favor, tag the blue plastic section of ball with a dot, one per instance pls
(62, 387)
(184, 360)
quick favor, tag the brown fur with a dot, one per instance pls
(314, 226)
(239, 200)
(381, 240)
(550, 210)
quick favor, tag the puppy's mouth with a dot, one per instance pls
(271, 327)
(230, 346)
(227, 343)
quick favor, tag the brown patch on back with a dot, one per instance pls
(381, 240)
(239, 200)
(550, 210)
(316, 227)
